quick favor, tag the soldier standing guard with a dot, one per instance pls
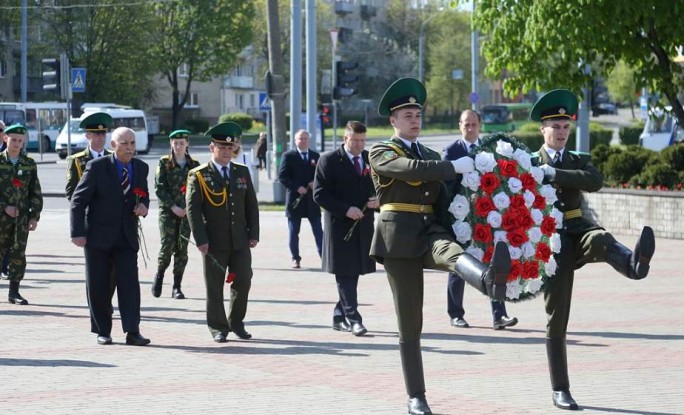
(21, 202)
(169, 185)
(95, 126)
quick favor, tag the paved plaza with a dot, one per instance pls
(626, 341)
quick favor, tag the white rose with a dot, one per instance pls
(514, 185)
(529, 198)
(550, 267)
(538, 174)
(504, 148)
(459, 207)
(535, 234)
(501, 201)
(471, 181)
(516, 253)
(549, 193)
(537, 216)
(523, 158)
(463, 231)
(500, 236)
(475, 252)
(485, 162)
(558, 216)
(528, 250)
(555, 242)
(494, 219)
(513, 290)
(534, 285)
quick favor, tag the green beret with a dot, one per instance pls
(556, 104)
(96, 122)
(404, 92)
(15, 129)
(179, 134)
(224, 133)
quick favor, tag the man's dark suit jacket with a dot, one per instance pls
(455, 151)
(99, 210)
(294, 172)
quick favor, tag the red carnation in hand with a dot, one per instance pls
(539, 202)
(483, 233)
(548, 225)
(516, 270)
(508, 168)
(517, 237)
(17, 183)
(483, 206)
(183, 189)
(530, 270)
(543, 252)
(489, 182)
(138, 191)
(528, 182)
(230, 277)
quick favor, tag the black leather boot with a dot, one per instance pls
(490, 280)
(157, 283)
(14, 297)
(177, 293)
(412, 365)
(633, 265)
(557, 355)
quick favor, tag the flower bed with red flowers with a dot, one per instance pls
(504, 199)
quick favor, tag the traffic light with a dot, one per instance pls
(52, 76)
(325, 115)
(344, 79)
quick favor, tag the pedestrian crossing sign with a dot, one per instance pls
(78, 79)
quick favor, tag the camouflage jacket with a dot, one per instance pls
(19, 186)
(76, 165)
(170, 180)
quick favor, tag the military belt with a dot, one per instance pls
(572, 214)
(406, 207)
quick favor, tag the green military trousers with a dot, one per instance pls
(174, 234)
(13, 239)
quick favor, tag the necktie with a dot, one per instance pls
(357, 165)
(224, 169)
(414, 149)
(473, 147)
(99, 155)
(557, 159)
(304, 156)
(125, 181)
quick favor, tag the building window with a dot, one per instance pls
(251, 101)
(3, 68)
(193, 100)
(239, 101)
(183, 70)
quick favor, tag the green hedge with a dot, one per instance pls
(197, 126)
(245, 121)
(534, 140)
(630, 135)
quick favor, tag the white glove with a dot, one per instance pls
(549, 172)
(463, 165)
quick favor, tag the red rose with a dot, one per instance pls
(483, 233)
(489, 182)
(525, 219)
(182, 189)
(230, 277)
(508, 168)
(517, 237)
(528, 182)
(543, 252)
(539, 202)
(17, 183)
(517, 201)
(483, 206)
(509, 220)
(487, 257)
(516, 270)
(530, 270)
(548, 225)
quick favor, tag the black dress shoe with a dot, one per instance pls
(242, 333)
(563, 400)
(505, 321)
(177, 294)
(459, 322)
(220, 338)
(417, 405)
(295, 264)
(17, 299)
(104, 340)
(135, 339)
(157, 285)
(341, 326)
(358, 329)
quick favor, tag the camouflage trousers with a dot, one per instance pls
(174, 232)
(13, 238)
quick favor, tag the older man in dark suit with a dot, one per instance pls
(344, 189)
(105, 208)
(297, 174)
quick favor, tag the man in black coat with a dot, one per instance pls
(296, 173)
(344, 189)
(105, 208)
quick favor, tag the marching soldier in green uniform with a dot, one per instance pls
(95, 125)
(21, 202)
(413, 232)
(224, 218)
(169, 185)
(582, 240)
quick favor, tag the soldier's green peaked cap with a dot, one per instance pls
(224, 133)
(15, 129)
(556, 104)
(96, 122)
(404, 92)
(179, 134)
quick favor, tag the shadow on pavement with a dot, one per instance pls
(624, 411)
(50, 363)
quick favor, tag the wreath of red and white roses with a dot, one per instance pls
(504, 199)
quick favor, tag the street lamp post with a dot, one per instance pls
(421, 48)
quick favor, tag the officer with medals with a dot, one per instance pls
(413, 232)
(582, 240)
(223, 214)
(95, 126)
(170, 186)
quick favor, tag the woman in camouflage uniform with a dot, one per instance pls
(169, 185)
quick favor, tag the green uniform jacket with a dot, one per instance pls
(76, 165)
(575, 175)
(170, 181)
(400, 177)
(227, 222)
(24, 194)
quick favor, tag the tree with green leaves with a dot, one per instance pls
(622, 84)
(542, 44)
(204, 35)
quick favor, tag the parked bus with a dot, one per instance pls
(38, 117)
(505, 117)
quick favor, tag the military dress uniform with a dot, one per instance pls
(19, 187)
(582, 240)
(170, 186)
(224, 214)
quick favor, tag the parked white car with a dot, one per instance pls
(661, 130)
